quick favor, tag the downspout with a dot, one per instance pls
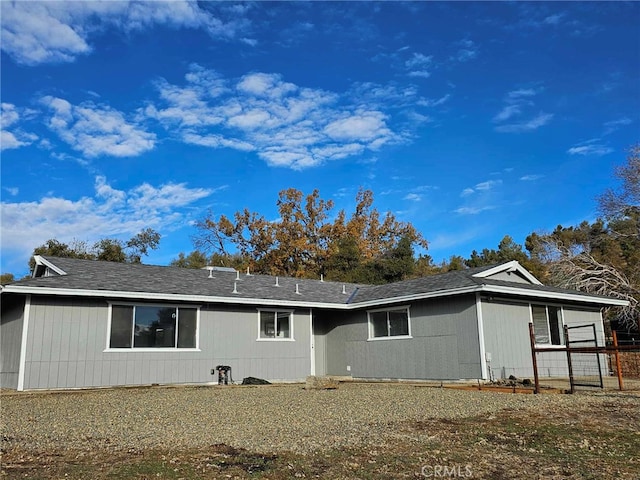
(23, 342)
(483, 354)
(312, 346)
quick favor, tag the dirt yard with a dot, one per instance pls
(375, 431)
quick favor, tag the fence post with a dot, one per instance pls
(617, 354)
(567, 344)
(532, 340)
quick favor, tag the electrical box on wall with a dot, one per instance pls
(348, 368)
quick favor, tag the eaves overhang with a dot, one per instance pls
(176, 297)
(548, 294)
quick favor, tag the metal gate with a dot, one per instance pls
(583, 359)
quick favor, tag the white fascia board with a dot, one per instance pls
(166, 297)
(43, 261)
(513, 266)
(417, 296)
(577, 297)
(233, 300)
(496, 289)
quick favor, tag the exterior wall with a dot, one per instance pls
(507, 344)
(506, 339)
(10, 340)
(67, 340)
(444, 344)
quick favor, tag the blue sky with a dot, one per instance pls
(470, 120)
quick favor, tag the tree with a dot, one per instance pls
(507, 251)
(195, 259)
(55, 248)
(303, 240)
(456, 262)
(6, 278)
(110, 250)
(141, 243)
(626, 199)
(106, 249)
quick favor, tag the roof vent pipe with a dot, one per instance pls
(344, 289)
(237, 275)
(297, 290)
(276, 284)
(248, 274)
(321, 277)
(235, 287)
(210, 272)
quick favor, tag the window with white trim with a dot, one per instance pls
(389, 323)
(275, 325)
(547, 324)
(153, 326)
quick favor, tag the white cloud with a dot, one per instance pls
(534, 123)
(97, 130)
(49, 32)
(360, 126)
(16, 138)
(507, 112)
(285, 124)
(418, 60)
(419, 74)
(429, 102)
(466, 192)
(518, 104)
(521, 93)
(614, 125)
(488, 185)
(472, 210)
(252, 42)
(108, 213)
(467, 50)
(13, 191)
(414, 197)
(265, 85)
(589, 148)
(417, 65)
(531, 178)
(553, 19)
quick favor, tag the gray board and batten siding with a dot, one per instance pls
(67, 348)
(443, 344)
(507, 344)
(10, 340)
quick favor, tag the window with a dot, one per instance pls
(275, 325)
(547, 324)
(389, 323)
(147, 326)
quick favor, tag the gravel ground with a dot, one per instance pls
(260, 419)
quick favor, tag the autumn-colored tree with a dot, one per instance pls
(303, 240)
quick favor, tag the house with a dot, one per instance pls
(85, 323)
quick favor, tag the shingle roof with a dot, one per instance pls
(124, 277)
(111, 278)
